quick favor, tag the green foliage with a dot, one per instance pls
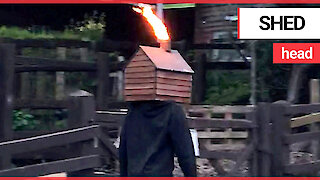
(38, 120)
(272, 79)
(19, 33)
(228, 87)
(91, 28)
(24, 121)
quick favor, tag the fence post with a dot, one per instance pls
(7, 55)
(103, 91)
(253, 135)
(264, 140)
(314, 98)
(199, 82)
(82, 111)
(60, 79)
(280, 127)
(83, 54)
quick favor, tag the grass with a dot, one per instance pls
(19, 33)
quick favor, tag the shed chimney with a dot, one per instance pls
(165, 45)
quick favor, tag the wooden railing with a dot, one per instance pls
(93, 153)
(79, 148)
(226, 132)
(278, 136)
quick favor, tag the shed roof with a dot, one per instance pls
(162, 59)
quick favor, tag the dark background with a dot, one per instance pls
(122, 23)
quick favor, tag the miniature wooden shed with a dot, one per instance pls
(158, 74)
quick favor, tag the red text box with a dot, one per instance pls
(296, 53)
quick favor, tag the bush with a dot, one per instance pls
(228, 87)
(24, 121)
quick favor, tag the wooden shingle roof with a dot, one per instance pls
(171, 61)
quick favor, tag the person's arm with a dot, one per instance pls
(182, 142)
(123, 159)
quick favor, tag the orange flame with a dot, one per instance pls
(160, 30)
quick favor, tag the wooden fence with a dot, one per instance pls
(283, 137)
(51, 145)
(12, 65)
(258, 136)
(231, 136)
(263, 144)
(76, 150)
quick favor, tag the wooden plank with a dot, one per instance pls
(53, 153)
(173, 98)
(225, 147)
(139, 80)
(174, 75)
(219, 154)
(298, 137)
(241, 158)
(82, 114)
(173, 93)
(138, 92)
(41, 104)
(6, 90)
(139, 69)
(223, 135)
(106, 116)
(141, 57)
(139, 64)
(104, 89)
(140, 53)
(174, 82)
(228, 130)
(119, 85)
(303, 108)
(139, 97)
(253, 137)
(140, 75)
(48, 140)
(222, 109)
(303, 168)
(305, 120)
(173, 87)
(84, 53)
(6, 98)
(106, 142)
(219, 123)
(30, 64)
(140, 86)
(314, 91)
(280, 128)
(314, 98)
(206, 142)
(82, 111)
(264, 145)
(73, 164)
(60, 77)
(31, 133)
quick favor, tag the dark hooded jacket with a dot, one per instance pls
(153, 132)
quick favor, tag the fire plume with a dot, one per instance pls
(160, 30)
